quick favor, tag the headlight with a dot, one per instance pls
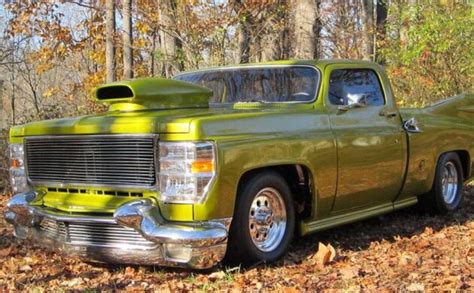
(187, 170)
(17, 168)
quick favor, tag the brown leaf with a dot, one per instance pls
(349, 273)
(333, 252)
(25, 268)
(404, 260)
(325, 254)
(129, 271)
(6, 251)
(416, 287)
(424, 243)
(428, 231)
(216, 276)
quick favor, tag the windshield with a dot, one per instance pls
(264, 84)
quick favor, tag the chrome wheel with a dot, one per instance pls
(449, 182)
(267, 219)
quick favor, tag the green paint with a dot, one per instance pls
(152, 93)
(361, 164)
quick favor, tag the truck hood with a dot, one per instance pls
(237, 119)
(116, 122)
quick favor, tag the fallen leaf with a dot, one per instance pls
(428, 231)
(424, 243)
(325, 254)
(25, 268)
(216, 276)
(404, 260)
(129, 271)
(72, 283)
(333, 252)
(349, 273)
(6, 251)
(416, 287)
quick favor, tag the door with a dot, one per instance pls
(369, 136)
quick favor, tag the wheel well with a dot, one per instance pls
(465, 162)
(299, 179)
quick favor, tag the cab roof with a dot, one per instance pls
(320, 63)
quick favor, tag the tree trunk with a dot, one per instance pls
(3, 114)
(244, 33)
(127, 39)
(305, 28)
(381, 19)
(151, 57)
(168, 42)
(244, 43)
(274, 41)
(367, 13)
(109, 40)
(12, 82)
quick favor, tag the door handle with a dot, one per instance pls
(388, 114)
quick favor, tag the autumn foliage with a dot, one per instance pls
(52, 55)
(53, 52)
(403, 251)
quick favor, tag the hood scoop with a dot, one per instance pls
(152, 93)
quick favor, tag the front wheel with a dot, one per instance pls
(446, 193)
(264, 220)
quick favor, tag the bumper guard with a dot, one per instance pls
(197, 245)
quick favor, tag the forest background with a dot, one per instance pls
(53, 53)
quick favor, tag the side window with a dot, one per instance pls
(350, 86)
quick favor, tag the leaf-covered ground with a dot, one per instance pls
(404, 250)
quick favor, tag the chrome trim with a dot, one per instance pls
(316, 93)
(267, 219)
(40, 183)
(93, 135)
(412, 126)
(206, 241)
(449, 183)
(145, 218)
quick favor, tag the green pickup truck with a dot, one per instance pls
(234, 161)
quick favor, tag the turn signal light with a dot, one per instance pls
(202, 166)
(16, 163)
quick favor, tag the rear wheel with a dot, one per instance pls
(446, 194)
(264, 220)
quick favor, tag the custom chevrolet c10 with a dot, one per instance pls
(234, 160)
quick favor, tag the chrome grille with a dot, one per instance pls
(92, 160)
(96, 234)
(110, 235)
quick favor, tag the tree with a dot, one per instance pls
(305, 36)
(367, 13)
(381, 19)
(170, 44)
(127, 39)
(109, 40)
(428, 49)
(244, 32)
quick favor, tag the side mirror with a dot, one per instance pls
(412, 126)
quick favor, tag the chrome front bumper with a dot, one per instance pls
(136, 234)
